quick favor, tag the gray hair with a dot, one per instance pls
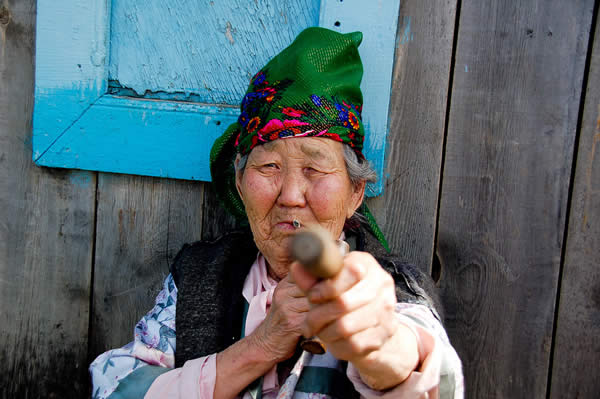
(359, 170)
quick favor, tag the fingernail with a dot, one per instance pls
(314, 296)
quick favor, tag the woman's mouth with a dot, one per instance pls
(289, 225)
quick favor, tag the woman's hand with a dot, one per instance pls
(273, 341)
(279, 333)
(353, 314)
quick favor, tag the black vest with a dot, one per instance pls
(210, 276)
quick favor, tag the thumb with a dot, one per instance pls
(301, 277)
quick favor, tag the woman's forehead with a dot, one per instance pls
(313, 147)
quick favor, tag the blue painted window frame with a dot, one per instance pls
(78, 124)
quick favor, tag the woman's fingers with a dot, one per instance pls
(290, 287)
(349, 324)
(353, 311)
(289, 298)
(353, 314)
(334, 320)
(301, 277)
(279, 332)
(360, 344)
(356, 267)
(361, 294)
(375, 291)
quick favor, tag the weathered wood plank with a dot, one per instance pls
(142, 137)
(216, 220)
(209, 49)
(142, 224)
(379, 24)
(577, 349)
(408, 209)
(515, 100)
(71, 70)
(46, 236)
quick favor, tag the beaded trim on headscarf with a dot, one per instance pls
(263, 119)
(315, 116)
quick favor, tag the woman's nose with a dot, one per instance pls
(293, 189)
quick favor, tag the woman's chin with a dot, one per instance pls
(278, 263)
(276, 249)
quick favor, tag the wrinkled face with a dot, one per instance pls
(302, 178)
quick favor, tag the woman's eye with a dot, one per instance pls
(269, 166)
(312, 170)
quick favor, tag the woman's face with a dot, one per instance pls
(301, 178)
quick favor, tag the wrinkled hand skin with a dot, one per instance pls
(278, 334)
(273, 341)
(353, 314)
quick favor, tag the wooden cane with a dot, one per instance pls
(318, 253)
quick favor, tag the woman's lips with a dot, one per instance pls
(286, 225)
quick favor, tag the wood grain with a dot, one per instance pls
(515, 100)
(46, 236)
(514, 105)
(71, 70)
(210, 49)
(142, 224)
(216, 220)
(378, 23)
(407, 211)
(577, 348)
(142, 137)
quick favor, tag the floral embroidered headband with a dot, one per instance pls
(310, 89)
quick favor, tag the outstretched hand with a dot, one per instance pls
(353, 314)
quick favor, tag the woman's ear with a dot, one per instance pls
(238, 176)
(358, 195)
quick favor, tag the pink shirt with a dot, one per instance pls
(196, 379)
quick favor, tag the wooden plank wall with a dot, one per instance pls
(506, 177)
(46, 239)
(407, 211)
(142, 223)
(493, 185)
(576, 346)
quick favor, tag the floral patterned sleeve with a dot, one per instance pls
(153, 345)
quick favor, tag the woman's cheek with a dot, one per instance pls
(257, 202)
(328, 200)
(260, 192)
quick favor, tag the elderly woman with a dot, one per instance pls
(293, 159)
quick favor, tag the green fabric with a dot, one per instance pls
(364, 209)
(136, 384)
(244, 317)
(255, 388)
(311, 88)
(222, 155)
(326, 381)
